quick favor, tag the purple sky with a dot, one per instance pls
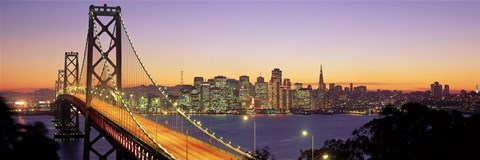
(401, 45)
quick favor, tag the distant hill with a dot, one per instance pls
(29, 97)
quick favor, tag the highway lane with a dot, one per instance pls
(173, 141)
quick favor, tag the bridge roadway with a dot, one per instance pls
(173, 141)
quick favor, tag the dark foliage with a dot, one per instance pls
(24, 142)
(411, 132)
(318, 153)
(264, 154)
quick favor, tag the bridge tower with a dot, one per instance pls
(108, 22)
(71, 70)
(61, 78)
(68, 115)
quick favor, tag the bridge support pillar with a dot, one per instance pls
(103, 135)
(67, 114)
(68, 125)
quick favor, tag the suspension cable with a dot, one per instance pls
(169, 100)
(83, 62)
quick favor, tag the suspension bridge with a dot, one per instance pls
(109, 84)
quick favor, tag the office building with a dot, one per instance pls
(331, 87)
(274, 89)
(436, 89)
(197, 82)
(261, 93)
(446, 90)
(298, 86)
(244, 87)
(302, 99)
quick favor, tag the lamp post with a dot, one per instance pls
(305, 133)
(245, 118)
(186, 136)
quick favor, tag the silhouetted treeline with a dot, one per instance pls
(413, 131)
(24, 142)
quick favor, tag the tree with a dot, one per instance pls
(264, 154)
(412, 132)
(22, 142)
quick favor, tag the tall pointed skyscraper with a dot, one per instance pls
(476, 90)
(321, 84)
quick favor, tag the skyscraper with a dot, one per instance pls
(321, 85)
(351, 87)
(219, 93)
(261, 93)
(446, 90)
(244, 86)
(274, 89)
(205, 95)
(220, 81)
(476, 90)
(197, 82)
(331, 87)
(436, 89)
(287, 95)
(277, 75)
(232, 92)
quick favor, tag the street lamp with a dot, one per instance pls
(245, 118)
(325, 156)
(186, 136)
(305, 133)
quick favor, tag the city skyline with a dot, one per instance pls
(394, 45)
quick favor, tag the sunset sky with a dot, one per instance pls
(382, 44)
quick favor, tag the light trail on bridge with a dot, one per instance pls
(173, 141)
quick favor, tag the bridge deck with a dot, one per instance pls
(173, 141)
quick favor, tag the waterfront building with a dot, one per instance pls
(302, 98)
(232, 94)
(287, 95)
(219, 94)
(261, 93)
